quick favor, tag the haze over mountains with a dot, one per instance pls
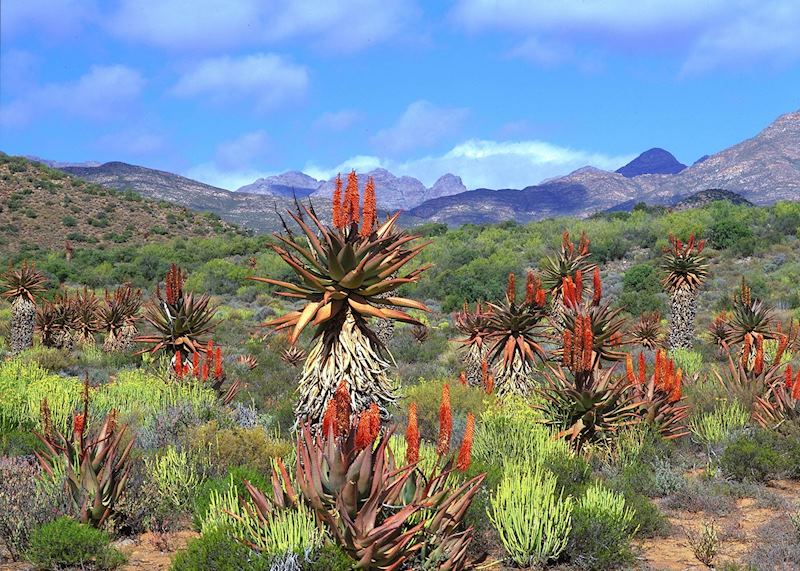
(763, 169)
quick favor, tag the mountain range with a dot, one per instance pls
(762, 170)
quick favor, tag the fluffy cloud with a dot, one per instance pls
(103, 92)
(485, 163)
(243, 150)
(709, 34)
(344, 25)
(233, 162)
(265, 79)
(421, 126)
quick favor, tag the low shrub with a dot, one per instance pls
(219, 550)
(229, 447)
(754, 457)
(328, 558)
(25, 503)
(175, 475)
(65, 543)
(602, 527)
(718, 426)
(532, 519)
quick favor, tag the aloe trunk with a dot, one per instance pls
(23, 319)
(683, 308)
(514, 378)
(346, 354)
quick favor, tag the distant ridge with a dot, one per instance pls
(652, 161)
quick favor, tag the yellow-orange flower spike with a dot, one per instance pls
(465, 453)
(412, 435)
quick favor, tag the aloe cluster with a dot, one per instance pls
(96, 464)
(180, 320)
(117, 316)
(343, 272)
(382, 513)
(660, 394)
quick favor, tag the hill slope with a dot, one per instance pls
(43, 207)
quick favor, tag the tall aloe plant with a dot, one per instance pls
(343, 270)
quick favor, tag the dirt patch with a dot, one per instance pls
(153, 551)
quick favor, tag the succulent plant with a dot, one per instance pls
(293, 355)
(58, 321)
(343, 270)
(779, 406)
(420, 333)
(96, 465)
(88, 322)
(647, 332)
(747, 380)
(21, 286)
(514, 333)
(384, 515)
(117, 316)
(249, 361)
(571, 262)
(207, 367)
(181, 320)
(588, 408)
(685, 270)
(660, 395)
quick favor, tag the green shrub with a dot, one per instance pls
(602, 527)
(228, 447)
(531, 519)
(690, 362)
(329, 558)
(65, 543)
(754, 457)
(218, 550)
(236, 475)
(718, 426)
(18, 443)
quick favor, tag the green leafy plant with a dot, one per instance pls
(175, 476)
(66, 544)
(532, 518)
(220, 550)
(718, 426)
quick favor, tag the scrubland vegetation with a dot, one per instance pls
(616, 392)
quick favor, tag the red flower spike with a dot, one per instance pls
(462, 379)
(511, 288)
(788, 377)
(588, 344)
(79, 424)
(484, 371)
(465, 452)
(204, 372)
(490, 384)
(530, 289)
(630, 375)
(369, 217)
(566, 358)
(659, 369)
(642, 369)
(748, 347)
(179, 365)
(796, 387)
(412, 435)
(540, 298)
(783, 343)
(196, 364)
(598, 287)
(759, 362)
(579, 285)
(445, 422)
(338, 216)
(351, 200)
(343, 409)
(583, 245)
(565, 243)
(369, 425)
(218, 364)
(329, 420)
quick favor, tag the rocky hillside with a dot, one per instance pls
(704, 197)
(43, 207)
(762, 170)
(652, 161)
(288, 184)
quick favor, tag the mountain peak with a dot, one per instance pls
(652, 161)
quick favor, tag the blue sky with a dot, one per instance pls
(503, 93)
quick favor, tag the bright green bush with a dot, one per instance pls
(175, 476)
(602, 527)
(287, 531)
(531, 518)
(690, 362)
(235, 475)
(329, 558)
(221, 551)
(65, 543)
(754, 457)
(719, 425)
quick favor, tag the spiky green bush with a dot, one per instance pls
(717, 426)
(532, 517)
(690, 362)
(287, 531)
(175, 476)
(602, 529)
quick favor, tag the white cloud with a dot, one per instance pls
(52, 19)
(344, 25)
(707, 34)
(337, 120)
(243, 150)
(102, 93)
(265, 79)
(485, 163)
(421, 126)
(229, 179)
